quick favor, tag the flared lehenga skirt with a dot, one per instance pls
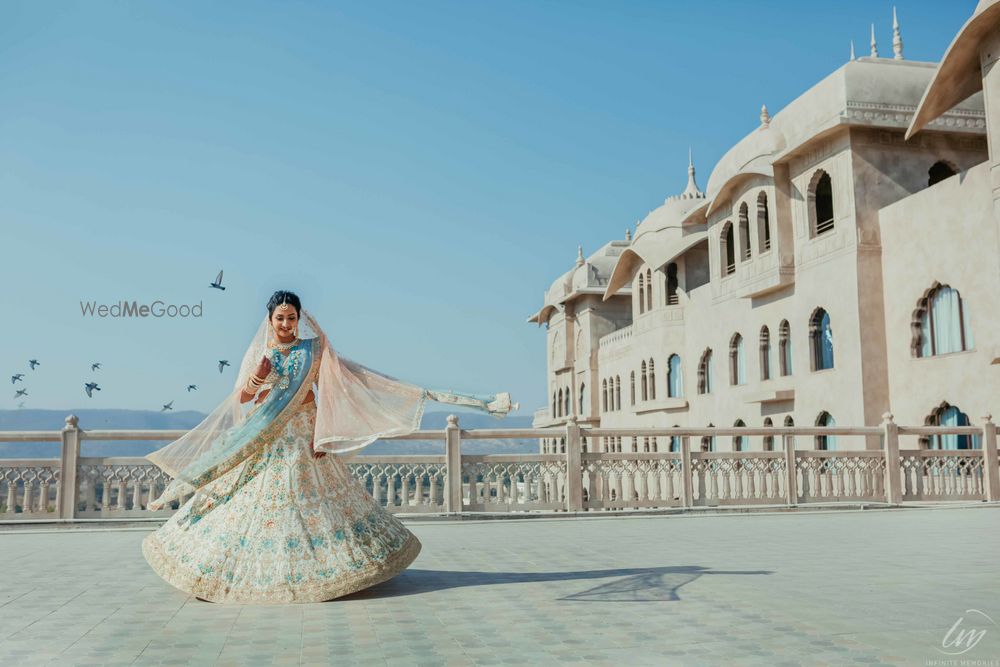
(287, 528)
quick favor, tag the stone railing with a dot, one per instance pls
(615, 337)
(76, 487)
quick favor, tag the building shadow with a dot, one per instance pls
(643, 584)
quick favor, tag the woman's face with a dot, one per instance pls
(284, 321)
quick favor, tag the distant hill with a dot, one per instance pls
(54, 420)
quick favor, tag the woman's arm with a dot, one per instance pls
(253, 384)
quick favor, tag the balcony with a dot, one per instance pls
(615, 339)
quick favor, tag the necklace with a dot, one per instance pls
(285, 367)
(284, 347)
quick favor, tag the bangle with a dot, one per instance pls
(252, 385)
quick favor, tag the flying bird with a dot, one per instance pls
(21, 392)
(168, 406)
(94, 367)
(89, 387)
(33, 362)
(192, 387)
(222, 363)
(15, 378)
(218, 282)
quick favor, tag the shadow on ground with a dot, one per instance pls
(642, 584)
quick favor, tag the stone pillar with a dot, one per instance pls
(687, 473)
(574, 467)
(791, 479)
(453, 465)
(890, 444)
(991, 466)
(69, 457)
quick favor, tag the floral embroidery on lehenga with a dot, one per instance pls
(281, 527)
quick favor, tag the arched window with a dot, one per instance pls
(645, 385)
(939, 171)
(765, 353)
(727, 251)
(559, 403)
(826, 442)
(632, 386)
(789, 422)
(604, 395)
(642, 293)
(567, 402)
(768, 439)
(821, 203)
(649, 290)
(737, 367)
(618, 392)
(583, 388)
(739, 441)
(949, 415)
(745, 252)
(708, 441)
(941, 323)
(821, 340)
(784, 348)
(675, 383)
(672, 298)
(555, 406)
(705, 372)
(652, 382)
(763, 224)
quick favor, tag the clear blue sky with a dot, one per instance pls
(419, 173)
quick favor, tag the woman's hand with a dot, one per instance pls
(317, 455)
(263, 368)
(310, 397)
(262, 395)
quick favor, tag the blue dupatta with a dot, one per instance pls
(264, 422)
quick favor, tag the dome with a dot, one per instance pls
(752, 156)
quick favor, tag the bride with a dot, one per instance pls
(271, 518)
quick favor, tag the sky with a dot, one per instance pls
(418, 173)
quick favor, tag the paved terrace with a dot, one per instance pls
(868, 587)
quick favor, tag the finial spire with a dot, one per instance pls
(579, 255)
(897, 38)
(853, 58)
(765, 117)
(874, 48)
(628, 234)
(691, 191)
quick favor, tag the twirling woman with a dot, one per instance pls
(271, 518)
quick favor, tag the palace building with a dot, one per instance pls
(842, 261)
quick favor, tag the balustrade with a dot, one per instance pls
(76, 487)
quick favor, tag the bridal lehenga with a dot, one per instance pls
(266, 521)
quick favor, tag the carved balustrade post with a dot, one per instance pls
(991, 467)
(68, 459)
(890, 439)
(687, 473)
(791, 480)
(453, 465)
(574, 467)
